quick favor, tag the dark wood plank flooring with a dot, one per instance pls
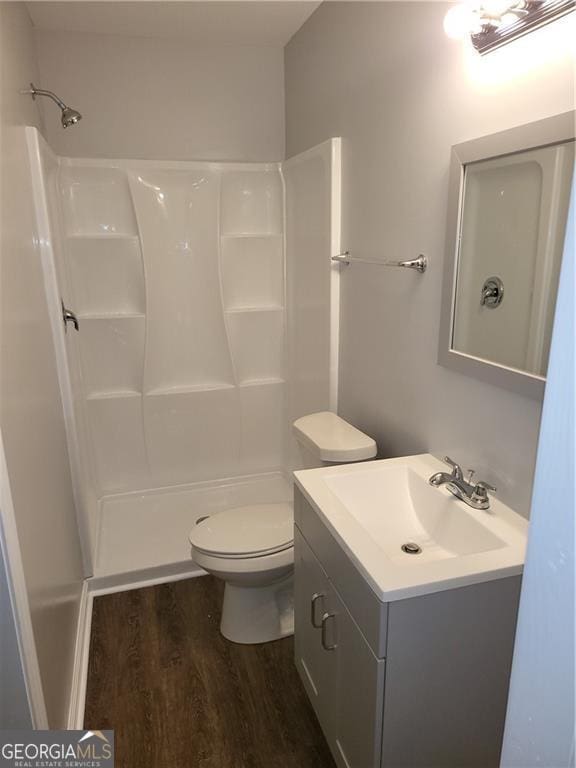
(178, 695)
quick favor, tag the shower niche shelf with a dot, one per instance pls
(256, 343)
(113, 394)
(96, 201)
(100, 236)
(95, 316)
(252, 271)
(107, 275)
(251, 236)
(251, 203)
(261, 383)
(191, 389)
(112, 353)
(186, 389)
(263, 308)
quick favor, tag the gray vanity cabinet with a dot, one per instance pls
(342, 676)
(446, 657)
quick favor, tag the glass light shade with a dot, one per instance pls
(459, 20)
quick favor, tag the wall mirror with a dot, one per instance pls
(507, 210)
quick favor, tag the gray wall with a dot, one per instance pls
(163, 99)
(385, 77)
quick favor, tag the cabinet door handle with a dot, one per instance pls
(315, 597)
(325, 632)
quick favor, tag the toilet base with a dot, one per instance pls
(258, 614)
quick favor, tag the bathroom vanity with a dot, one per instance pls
(405, 657)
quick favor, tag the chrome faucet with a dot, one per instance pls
(473, 494)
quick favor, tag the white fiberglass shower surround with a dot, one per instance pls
(207, 309)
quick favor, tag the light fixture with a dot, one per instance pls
(493, 23)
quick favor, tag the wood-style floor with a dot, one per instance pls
(178, 695)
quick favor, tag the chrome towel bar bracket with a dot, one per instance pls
(420, 264)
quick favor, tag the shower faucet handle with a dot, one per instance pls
(69, 317)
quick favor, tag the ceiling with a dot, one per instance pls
(224, 23)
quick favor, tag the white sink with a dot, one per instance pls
(375, 508)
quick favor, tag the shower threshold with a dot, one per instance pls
(143, 535)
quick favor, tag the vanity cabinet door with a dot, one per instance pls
(342, 677)
(357, 736)
(317, 666)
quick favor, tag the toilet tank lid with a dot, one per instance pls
(333, 439)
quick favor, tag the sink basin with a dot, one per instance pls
(396, 506)
(376, 508)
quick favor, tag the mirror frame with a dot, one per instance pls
(552, 130)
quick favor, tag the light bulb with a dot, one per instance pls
(494, 9)
(459, 21)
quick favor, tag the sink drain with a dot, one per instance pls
(411, 549)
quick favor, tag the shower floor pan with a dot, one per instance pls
(143, 535)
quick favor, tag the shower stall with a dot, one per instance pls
(207, 311)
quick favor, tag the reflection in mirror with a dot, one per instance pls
(512, 222)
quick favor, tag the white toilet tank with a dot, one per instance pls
(325, 438)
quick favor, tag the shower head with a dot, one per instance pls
(69, 116)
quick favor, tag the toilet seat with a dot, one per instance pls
(255, 531)
(232, 569)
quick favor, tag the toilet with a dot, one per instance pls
(251, 548)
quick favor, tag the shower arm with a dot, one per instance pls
(33, 91)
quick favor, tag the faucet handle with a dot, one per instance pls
(456, 468)
(486, 486)
(480, 497)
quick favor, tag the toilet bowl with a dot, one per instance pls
(252, 548)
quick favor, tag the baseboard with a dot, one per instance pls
(81, 655)
(149, 577)
(105, 585)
